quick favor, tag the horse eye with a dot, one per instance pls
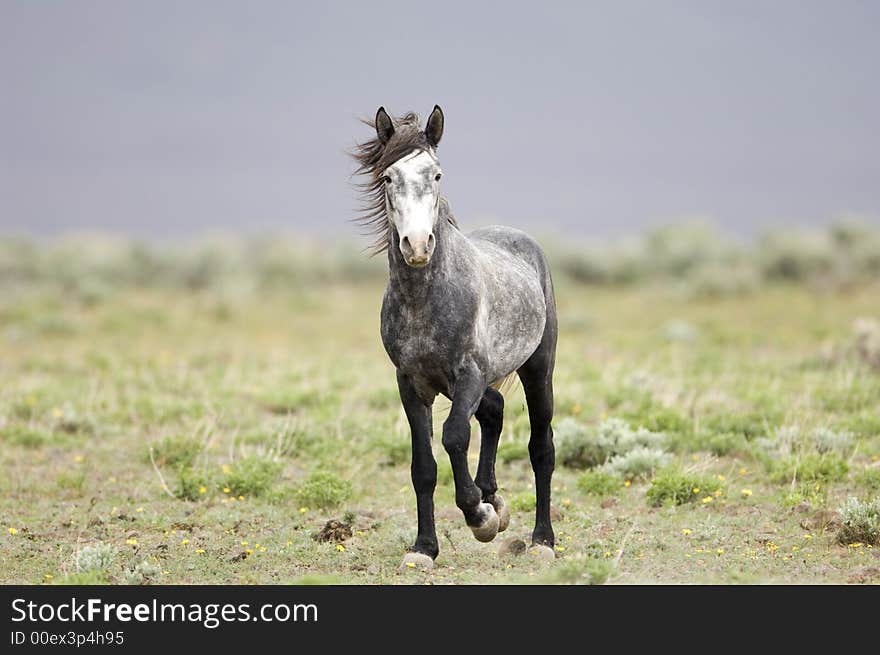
(437, 177)
(386, 179)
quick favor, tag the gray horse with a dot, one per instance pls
(461, 314)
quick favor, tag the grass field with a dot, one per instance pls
(165, 435)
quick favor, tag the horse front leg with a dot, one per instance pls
(424, 474)
(490, 416)
(480, 516)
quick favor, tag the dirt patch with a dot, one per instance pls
(333, 531)
(821, 520)
(512, 546)
(871, 574)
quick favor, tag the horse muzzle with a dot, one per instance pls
(417, 252)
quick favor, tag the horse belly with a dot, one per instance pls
(510, 327)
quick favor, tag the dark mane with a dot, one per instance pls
(372, 158)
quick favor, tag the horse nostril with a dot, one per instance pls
(405, 244)
(431, 242)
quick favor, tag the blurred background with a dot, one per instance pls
(646, 138)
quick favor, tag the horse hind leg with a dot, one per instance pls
(490, 416)
(537, 380)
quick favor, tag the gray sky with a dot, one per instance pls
(170, 118)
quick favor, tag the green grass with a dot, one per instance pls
(324, 490)
(282, 393)
(673, 486)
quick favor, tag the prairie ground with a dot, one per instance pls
(177, 436)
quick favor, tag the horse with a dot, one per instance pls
(461, 314)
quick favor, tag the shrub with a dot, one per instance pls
(639, 462)
(396, 451)
(97, 557)
(672, 486)
(826, 440)
(192, 484)
(726, 443)
(812, 467)
(580, 447)
(576, 446)
(580, 570)
(523, 502)
(598, 483)
(252, 476)
(24, 436)
(176, 452)
(323, 489)
(869, 479)
(141, 574)
(861, 522)
(814, 495)
(512, 451)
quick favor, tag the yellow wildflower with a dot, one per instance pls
(203, 489)
(13, 531)
(78, 458)
(719, 551)
(627, 483)
(132, 541)
(746, 493)
(226, 490)
(686, 532)
(743, 471)
(226, 469)
(139, 509)
(200, 550)
(707, 500)
(720, 477)
(241, 497)
(696, 490)
(340, 548)
(57, 413)
(303, 510)
(185, 542)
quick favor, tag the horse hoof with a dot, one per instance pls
(487, 530)
(502, 511)
(417, 561)
(542, 553)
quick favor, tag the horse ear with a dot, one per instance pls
(384, 126)
(434, 128)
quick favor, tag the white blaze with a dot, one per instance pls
(412, 206)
